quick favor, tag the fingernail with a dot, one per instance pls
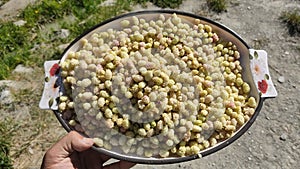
(88, 141)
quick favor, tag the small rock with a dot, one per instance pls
(22, 69)
(286, 53)
(249, 7)
(20, 23)
(11, 85)
(108, 3)
(283, 137)
(64, 33)
(281, 79)
(30, 150)
(63, 46)
(6, 97)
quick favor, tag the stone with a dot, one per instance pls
(5, 83)
(30, 151)
(63, 46)
(21, 69)
(6, 97)
(6, 88)
(64, 33)
(108, 3)
(281, 79)
(20, 23)
(11, 8)
(283, 137)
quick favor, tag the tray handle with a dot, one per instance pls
(260, 72)
(51, 93)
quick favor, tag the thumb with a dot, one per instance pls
(73, 141)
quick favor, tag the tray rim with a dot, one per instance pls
(169, 160)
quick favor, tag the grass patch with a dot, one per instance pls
(34, 123)
(167, 4)
(29, 45)
(29, 130)
(102, 13)
(6, 130)
(47, 11)
(292, 21)
(14, 47)
(217, 5)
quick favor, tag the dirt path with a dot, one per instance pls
(12, 8)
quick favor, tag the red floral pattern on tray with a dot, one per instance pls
(54, 69)
(261, 74)
(51, 90)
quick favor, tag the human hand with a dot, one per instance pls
(73, 152)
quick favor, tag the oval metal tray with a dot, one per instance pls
(224, 32)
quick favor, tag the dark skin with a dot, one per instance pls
(74, 151)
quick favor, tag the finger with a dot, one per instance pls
(73, 141)
(120, 165)
(72, 162)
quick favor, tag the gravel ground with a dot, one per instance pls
(273, 141)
